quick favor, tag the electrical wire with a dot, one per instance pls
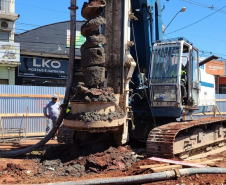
(45, 8)
(203, 5)
(205, 37)
(196, 21)
(55, 32)
(49, 26)
(33, 42)
(204, 52)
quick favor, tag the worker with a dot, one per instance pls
(68, 108)
(183, 81)
(53, 110)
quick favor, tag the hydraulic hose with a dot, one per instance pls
(67, 93)
(147, 177)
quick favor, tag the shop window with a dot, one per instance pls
(4, 81)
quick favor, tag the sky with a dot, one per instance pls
(196, 24)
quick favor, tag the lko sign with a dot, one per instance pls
(43, 68)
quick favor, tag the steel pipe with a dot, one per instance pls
(147, 177)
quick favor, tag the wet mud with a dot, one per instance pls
(93, 40)
(92, 56)
(94, 116)
(84, 94)
(91, 24)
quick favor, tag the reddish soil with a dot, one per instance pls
(113, 162)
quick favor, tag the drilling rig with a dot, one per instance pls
(133, 83)
(134, 87)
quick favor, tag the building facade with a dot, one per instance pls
(45, 54)
(218, 69)
(9, 50)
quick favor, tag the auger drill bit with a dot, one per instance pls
(94, 108)
(93, 56)
(92, 8)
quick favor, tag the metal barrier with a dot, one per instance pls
(219, 110)
(21, 109)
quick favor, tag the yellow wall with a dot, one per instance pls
(8, 74)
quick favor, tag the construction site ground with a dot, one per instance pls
(60, 163)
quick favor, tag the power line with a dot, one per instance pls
(45, 8)
(203, 5)
(41, 36)
(196, 21)
(37, 37)
(205, 37)
(195, 3)
(202, 51)
(38, 26)
(45, 43)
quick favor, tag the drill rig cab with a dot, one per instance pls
(174, 78)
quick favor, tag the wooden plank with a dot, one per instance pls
(221, 100)
(209, 163)
(26, 123)
(196, 161)
(219, 111)
(2, 127)
(153, 166)
(27, 96)
(58, 99)
(202, 161)
(215, 109)
(23, 115)
(165, 168)
(177, 162)
(217, 159)
(208, 113)
(28, 134)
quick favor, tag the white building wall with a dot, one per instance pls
(9, 51)
(7, 14)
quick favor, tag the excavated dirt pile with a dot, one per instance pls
(43, 167)
(47, 168)
(121, 158)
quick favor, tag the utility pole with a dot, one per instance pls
(71, 65)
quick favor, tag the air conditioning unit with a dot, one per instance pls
(6, 25)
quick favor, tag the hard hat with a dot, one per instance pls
(55, 96)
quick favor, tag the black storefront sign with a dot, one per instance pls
(43, 68)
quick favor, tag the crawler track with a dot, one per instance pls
(65, 135)
(186, 139)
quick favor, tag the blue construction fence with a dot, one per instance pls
(14, 101)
